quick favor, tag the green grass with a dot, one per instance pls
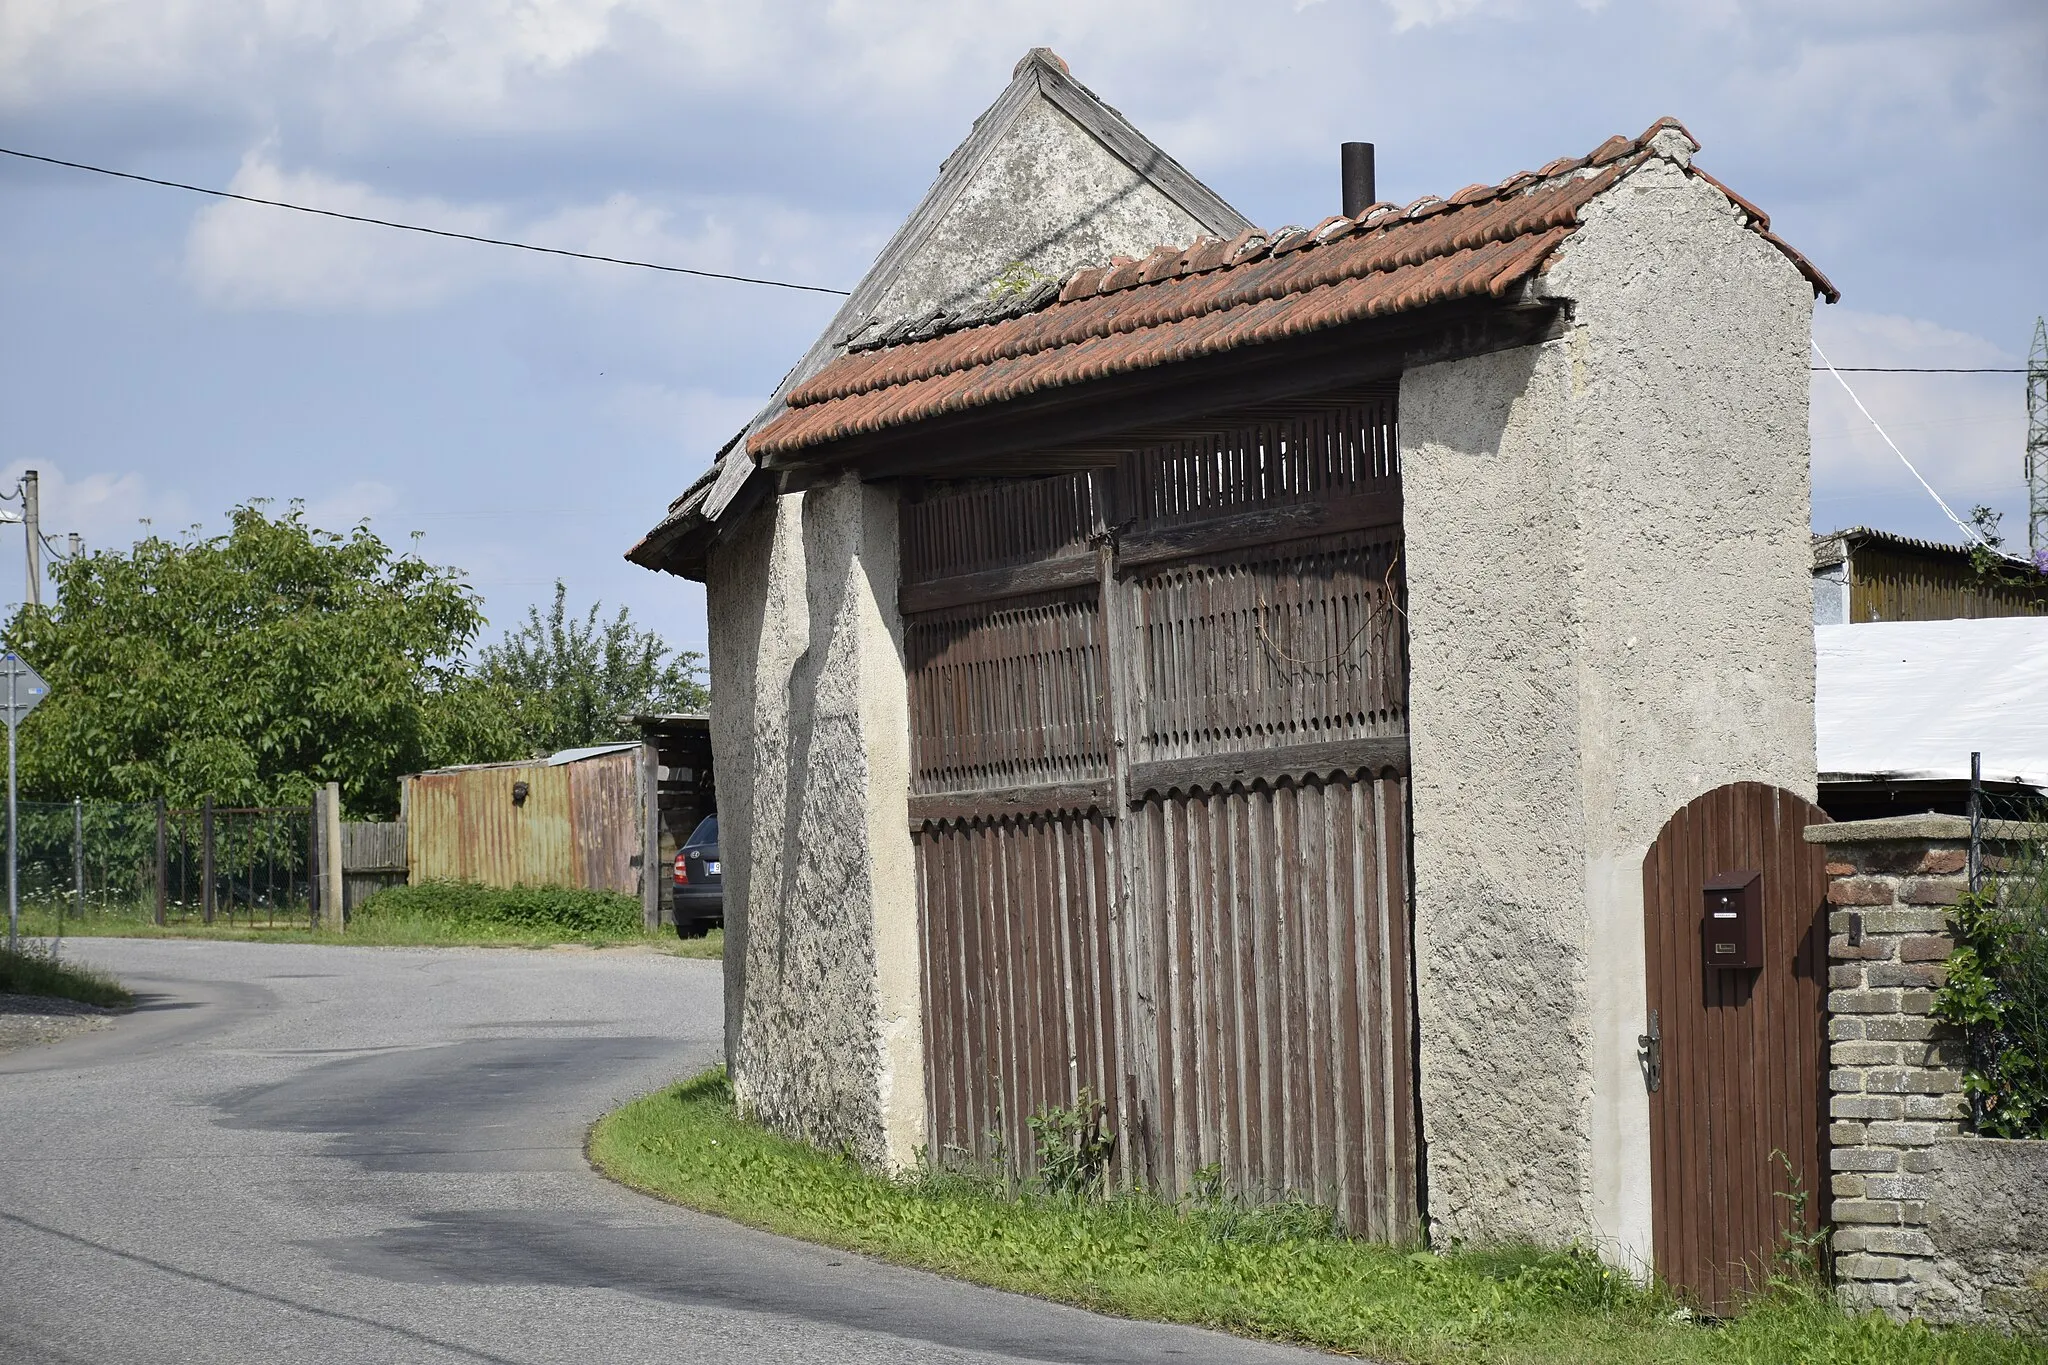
(375, 925)
(1282, 1274)
(36, 969)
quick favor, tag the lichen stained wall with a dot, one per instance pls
(810, 738)
(1049, 197)
(1610, 614)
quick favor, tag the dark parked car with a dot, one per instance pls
(700, 882)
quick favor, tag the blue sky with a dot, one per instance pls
(164, 356)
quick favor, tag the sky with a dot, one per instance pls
(164, 357)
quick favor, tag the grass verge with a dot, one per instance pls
(386, 930)
(35, 969)
(1281, 1274)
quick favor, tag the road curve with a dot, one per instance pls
(304, 1153)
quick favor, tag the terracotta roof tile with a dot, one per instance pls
(1212, 296)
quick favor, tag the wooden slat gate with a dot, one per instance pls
(1160, 801)
(1738, 1115)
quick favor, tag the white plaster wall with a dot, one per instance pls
(810, 736)
(1610, 601)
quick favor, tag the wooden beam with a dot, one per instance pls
(1265, 526)
(1209, 771)
(1070, 570)
(1003, 803)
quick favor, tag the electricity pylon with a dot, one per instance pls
(2037, 441)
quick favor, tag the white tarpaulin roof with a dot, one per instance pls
(1914, 698)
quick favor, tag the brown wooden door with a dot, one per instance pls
(1744, 1052)
(1160, 807)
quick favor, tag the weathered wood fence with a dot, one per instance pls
(372, 858)
(1159, 803)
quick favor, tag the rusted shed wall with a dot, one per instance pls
(579, 825)
(605, 816)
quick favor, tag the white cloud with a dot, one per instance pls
(341, 508)
(251, 256)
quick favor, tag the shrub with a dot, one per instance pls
(536, 909)
(1997, 989)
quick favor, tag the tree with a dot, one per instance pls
(574, 681)
(252, 667)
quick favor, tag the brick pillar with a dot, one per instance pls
(1895, 1073)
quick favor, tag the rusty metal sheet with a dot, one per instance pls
(463, 826)
(605, 817)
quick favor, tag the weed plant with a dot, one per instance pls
(36, 969)
(560, 911)
(1282, 1272)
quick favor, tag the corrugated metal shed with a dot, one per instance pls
(572, 819)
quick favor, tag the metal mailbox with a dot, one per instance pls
(1732, 927)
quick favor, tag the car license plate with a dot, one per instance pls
(711, 867)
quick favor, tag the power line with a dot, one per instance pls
(431, 232)
(1915, 369)
(1972, 532)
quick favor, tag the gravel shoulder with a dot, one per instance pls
(29, 1020)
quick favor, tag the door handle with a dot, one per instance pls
(1650, 1047)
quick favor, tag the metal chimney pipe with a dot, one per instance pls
(1360, 193)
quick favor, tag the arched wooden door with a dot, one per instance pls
(1743, 1051)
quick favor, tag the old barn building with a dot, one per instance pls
(1276, 681)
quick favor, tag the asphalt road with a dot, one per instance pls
(302, 1153)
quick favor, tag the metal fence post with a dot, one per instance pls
(163, 862)
(206, 860)
(313, 905)
(78, 854)
(1976, 864)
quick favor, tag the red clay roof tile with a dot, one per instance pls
(1213, 296)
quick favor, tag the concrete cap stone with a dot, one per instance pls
(1891, 829)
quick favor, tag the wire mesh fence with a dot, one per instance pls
(87, 858)
(250, 866)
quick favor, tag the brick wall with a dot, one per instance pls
(1928, 1222)
(1895, 1073)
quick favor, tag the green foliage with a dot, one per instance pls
(1014, 281)
(1280, 1273)
(574, 681)
(1074, 1146)
(465, 906)
(253, 666)
(1988, 560)
(1997, 990)
(34, 969)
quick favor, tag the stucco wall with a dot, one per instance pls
(810, 736)
(1048, 196)
(1610, 614)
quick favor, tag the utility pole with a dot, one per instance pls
(32, 513)
(2037, 443)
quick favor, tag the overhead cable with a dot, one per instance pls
(431, 232)
(1972, 532)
